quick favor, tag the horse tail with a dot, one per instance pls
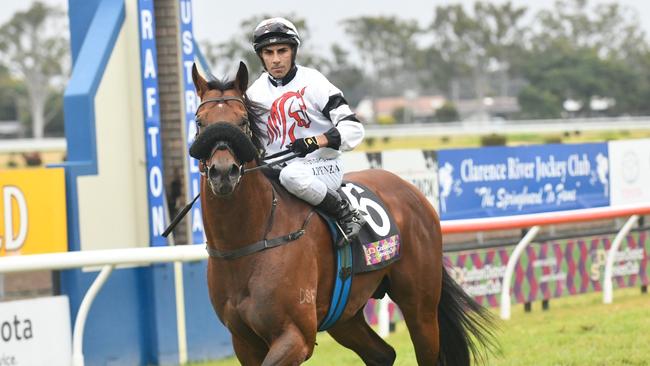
(466, 328)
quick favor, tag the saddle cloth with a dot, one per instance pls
(378, 244)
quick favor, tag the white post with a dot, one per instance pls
(82, 314)
(383, 317)
(180, 312)
(510, 269)
(608, 295)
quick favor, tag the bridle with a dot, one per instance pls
(244, 125)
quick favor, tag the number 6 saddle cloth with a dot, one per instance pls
(379, 242)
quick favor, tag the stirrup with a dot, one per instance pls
(344, 239)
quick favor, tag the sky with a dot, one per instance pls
(219, 20)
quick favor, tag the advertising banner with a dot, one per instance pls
(33, 216)
(576, 266)
(190, 101)
(630, 171)
(418, 167)
(480, 272)
(505, 181)
(151, 107)
(551, 269)
(35, 332)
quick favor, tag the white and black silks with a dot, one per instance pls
(305, 104)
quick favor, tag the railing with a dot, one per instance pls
(534, 223)
(112, 258)
(106, 259)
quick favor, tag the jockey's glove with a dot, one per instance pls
(304, 146)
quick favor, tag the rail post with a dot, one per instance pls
(510, 268)
(608, 293)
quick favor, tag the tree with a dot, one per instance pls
(387, 46)
(581, 52)
(348, 77)
(472, 46)
(35, 50)
(8, 90)
(447, 113)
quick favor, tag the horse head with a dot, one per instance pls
(227, 133)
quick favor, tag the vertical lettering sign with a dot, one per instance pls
(503, 181)
(191, 102)
(155, 187)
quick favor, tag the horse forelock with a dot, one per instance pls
(254, 110)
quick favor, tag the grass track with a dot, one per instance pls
(576, 331)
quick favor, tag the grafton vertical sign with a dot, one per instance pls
(151, 107)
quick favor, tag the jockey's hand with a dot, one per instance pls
(304, 146)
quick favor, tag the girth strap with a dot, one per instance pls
(257, 246)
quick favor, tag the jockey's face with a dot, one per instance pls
(277, 59)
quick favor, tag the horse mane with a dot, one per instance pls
(254, 110)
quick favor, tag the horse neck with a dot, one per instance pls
(240, 219)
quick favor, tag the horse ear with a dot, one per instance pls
(241, 80)
(199, 82)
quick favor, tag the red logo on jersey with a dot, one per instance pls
(287, 112)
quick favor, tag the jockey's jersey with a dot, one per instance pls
(304, 104)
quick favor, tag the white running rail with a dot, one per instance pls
(108, 260)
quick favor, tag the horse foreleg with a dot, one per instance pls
(357, 335)
(290, 348)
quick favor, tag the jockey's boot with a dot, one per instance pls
(349, 219)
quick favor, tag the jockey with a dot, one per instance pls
(309, 116)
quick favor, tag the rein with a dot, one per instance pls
(187, 207)
(264, 243)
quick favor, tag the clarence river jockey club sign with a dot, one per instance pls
(505, 181)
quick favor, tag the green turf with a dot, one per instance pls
(577, 330)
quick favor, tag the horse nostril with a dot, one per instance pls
(212, 171)
(234, 171)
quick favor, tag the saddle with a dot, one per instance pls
(378, 243)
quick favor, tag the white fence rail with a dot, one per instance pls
(112, 258)
(107, 260)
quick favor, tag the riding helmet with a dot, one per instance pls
(275, 31)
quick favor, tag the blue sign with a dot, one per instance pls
(504, 181)
(151, 107)
(191, 103)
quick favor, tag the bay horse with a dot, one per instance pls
(272, 301)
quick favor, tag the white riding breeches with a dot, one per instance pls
(309, 178)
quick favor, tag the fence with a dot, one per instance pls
(533, 223)
(110, 259)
